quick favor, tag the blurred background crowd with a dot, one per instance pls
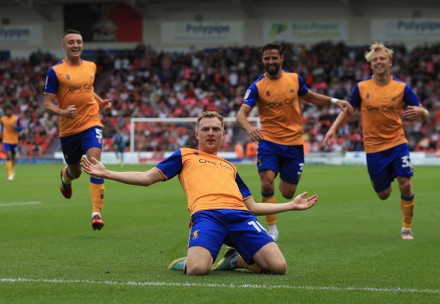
(144, 82)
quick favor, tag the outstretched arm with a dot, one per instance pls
(323, 100)
(96, 168)
(299, 203)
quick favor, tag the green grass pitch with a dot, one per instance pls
(347, 249)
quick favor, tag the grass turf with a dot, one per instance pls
(347, 249)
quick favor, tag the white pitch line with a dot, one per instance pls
(232, 286)
(19, 204)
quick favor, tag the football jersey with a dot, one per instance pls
(381, 108)
(209, 181)
(10, 134)
(278, 107)
(73, 85)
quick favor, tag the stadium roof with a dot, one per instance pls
(354, 7)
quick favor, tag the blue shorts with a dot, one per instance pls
(240, 229)
(10, 148)
(120, 149)
(287, 160)
(385, 166)
(75, 146)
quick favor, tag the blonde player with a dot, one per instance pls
(381, 98)
(220, 204)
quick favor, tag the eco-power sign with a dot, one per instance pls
(303, 31)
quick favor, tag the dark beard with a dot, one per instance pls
(273, 70)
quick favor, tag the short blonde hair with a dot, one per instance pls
(377, 47)
(209, 114)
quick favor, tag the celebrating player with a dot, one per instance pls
(70, 82)
(221, 206)
(381, 98)
(276, 93)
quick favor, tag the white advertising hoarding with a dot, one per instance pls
(21, 35)
(201, 32)
(420, 29)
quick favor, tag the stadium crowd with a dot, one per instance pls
(144, 82)
(21, 83)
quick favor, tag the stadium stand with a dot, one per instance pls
(21, 81)
(144, 82)
(156, 84)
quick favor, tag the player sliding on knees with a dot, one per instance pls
(220, 204)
